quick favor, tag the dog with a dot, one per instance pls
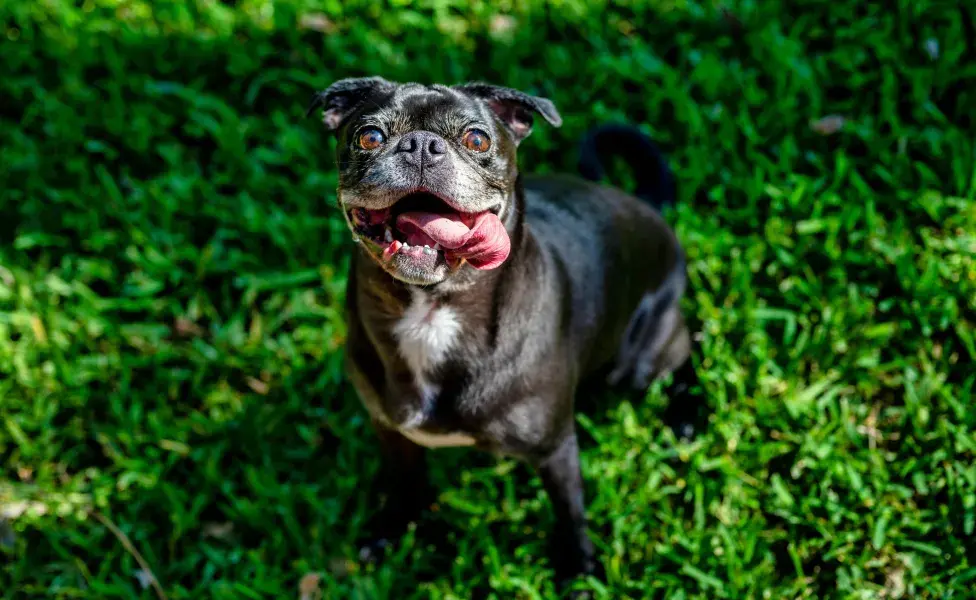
(481, 300)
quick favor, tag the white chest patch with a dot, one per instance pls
(425, 334)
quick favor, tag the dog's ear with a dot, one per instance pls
(513, 107)
(342, 97)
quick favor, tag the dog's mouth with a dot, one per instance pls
(425, 230)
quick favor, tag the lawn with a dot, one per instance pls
(172, 272)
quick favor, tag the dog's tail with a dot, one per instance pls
(655, 181)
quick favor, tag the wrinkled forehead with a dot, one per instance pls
(414, 106)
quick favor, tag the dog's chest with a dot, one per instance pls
(426, 335)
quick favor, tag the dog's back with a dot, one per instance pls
(623, 266)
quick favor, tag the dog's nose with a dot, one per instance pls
(422, 148)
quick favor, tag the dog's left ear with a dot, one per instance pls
(343, 96)
(513, 107)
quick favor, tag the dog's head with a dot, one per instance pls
(427, 173)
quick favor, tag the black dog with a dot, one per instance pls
(482, 298)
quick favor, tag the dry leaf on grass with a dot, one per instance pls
(220, 531)
(895, 583)
(12, 511)
(308, 587)
(257, 385)
(6, 277)
(502, 25)
(186, 328)
(828, 125)
(316, 22)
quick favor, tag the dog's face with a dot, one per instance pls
(427, 173)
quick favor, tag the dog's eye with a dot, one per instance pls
(476, 140)
(371, 139)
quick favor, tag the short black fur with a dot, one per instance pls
(591, 286)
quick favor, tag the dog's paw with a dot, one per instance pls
(684, 430)
(385, 528)
(686, 420)
(566, 586)
(382, 531)
(581, 567)
(372, 550)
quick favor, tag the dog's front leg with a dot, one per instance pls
(401, 487)
(573, 552)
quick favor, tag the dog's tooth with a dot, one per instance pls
(429, 250)
(406, 246)
(437, 247)
(388, 235)
(426, 246)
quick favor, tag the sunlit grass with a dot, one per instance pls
(172, 274)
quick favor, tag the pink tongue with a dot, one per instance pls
(484, 244)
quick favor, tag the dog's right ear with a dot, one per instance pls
(343, 96)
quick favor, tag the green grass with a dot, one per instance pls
(172, 273)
